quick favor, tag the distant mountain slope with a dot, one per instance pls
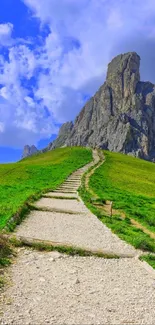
(29, 151)
(121, 115)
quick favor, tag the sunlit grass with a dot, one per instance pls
(33, 175)
(150, 259)
(130, 183)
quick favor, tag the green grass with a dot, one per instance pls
(150, 259)
(6, 253)
(25, 181)
(130, 184)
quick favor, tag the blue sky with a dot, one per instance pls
(54, 56)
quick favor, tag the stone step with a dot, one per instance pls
(61, 195)
(70, 190)
(65, 191)
(72, 184)
(64, 206)
(78, 230)
(77, 174)
(69, 187)
(75, 181)
(71, 181)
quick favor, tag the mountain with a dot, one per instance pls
(29, 151)
(120, 116)
(63, 136)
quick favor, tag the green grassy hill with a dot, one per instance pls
(30, 177)
(130, 184)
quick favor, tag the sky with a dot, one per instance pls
(54, 56)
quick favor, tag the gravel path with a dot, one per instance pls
(52, 288)
(49, 288)
(80, 230)
(71, 223)
(73, 206)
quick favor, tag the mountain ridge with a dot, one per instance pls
(120, 116)
(29, 151)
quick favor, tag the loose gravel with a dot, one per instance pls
(81, 230)
(50, 288)
(62, 205)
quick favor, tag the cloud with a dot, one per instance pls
(6, 34)
(1, 127)
(23, 119)
(115, 20)
(47, 81)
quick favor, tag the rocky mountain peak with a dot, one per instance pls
(123, 73)
(29, 151)
(120, 116)
(63, 135)
(128, 63)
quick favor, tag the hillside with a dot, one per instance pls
(84, 259)
(31, 176)
(120, 117)
(130, 184)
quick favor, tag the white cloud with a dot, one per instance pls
(115, 20)
(1, 127)
(29, 101)
(5, 34)
(20, 114)
(69, 66)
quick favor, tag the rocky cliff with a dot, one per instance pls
(29, 151)
(62, 139)
(121, 115)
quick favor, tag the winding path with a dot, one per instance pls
(52, 288)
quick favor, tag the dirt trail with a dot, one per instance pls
(53, 288)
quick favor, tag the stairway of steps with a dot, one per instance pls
(61, 217)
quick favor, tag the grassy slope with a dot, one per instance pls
(130, 184)
(31, 176)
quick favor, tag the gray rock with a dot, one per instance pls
(29, 151)
(120, 116)
(63, 136)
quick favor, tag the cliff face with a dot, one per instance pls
(64, 134)
(121, 115)
(29, 151)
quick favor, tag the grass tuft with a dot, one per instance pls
(6, 252)
(150, 259)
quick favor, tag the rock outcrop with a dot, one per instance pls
(63, 136)
(120, 116)
(29, 151)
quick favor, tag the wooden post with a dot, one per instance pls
(111, 208)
